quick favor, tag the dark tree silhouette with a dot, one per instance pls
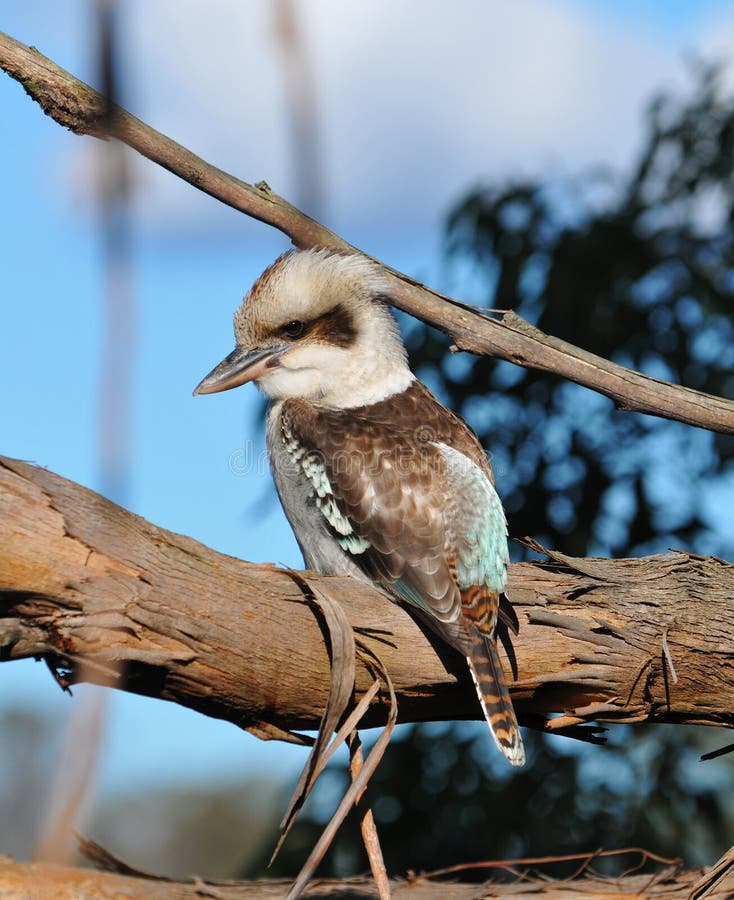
(638, 270)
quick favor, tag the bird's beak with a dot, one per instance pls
(239, 367)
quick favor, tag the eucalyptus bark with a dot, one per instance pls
(104, 596)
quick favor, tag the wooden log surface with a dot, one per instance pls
(46, 881)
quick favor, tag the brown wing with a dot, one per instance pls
(386, 476)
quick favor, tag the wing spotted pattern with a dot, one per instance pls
(312, 466)
(408, 491)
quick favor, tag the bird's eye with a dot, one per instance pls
(293, 329)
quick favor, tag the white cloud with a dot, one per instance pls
(417, 103)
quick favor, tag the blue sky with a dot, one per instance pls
(412, 112)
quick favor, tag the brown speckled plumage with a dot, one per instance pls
(387, 474)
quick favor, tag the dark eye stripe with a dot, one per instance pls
(334, 327)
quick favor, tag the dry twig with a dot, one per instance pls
(78, 107)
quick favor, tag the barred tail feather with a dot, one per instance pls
(486, 670)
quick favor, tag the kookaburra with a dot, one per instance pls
(377, 479)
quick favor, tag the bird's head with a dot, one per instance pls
(314, 326)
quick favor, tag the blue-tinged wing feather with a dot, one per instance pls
(478, 526)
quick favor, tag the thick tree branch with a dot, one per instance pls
(95, 589)
(78, 107)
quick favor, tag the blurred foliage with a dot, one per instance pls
(442, 796)
(213, 830)
(640, 270)
(28, 747)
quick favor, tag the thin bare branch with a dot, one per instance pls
(367, 825)
(78, 107)
(531, 861)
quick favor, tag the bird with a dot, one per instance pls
(376, 477)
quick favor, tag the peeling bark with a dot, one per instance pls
(45, 881)
(105, 596)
